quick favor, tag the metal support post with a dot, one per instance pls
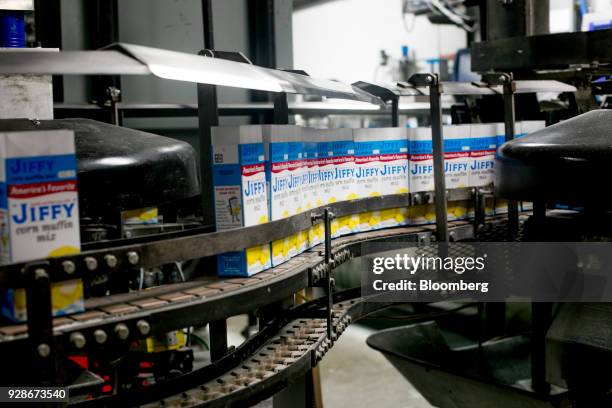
(479, 211)
(208, 117)
(281, 109)
(395, 111)
(438, 159)
(435, 96)
(40, 324)
(541, 317)
(218, 339)
(114, 97)
(328, 216)
(509, 88)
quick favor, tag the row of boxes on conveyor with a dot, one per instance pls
(266, 173)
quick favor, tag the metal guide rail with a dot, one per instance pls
(194, 244)
(169, 307)
(286, 348)
(120, 319)
(265, 362)
(114, 321)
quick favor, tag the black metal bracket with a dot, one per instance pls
(235, 56)
(386, 94)
(479, 196)
(327, 216)
(395, 111)
(432, 81)
(281, 109)
(40, 323)
(112, 103)
(506, 80)
(217, 331)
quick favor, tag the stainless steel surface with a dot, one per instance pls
(329, 107)
(40, 62)
(214, 71)
(467, 88)
(481, 88)
(530, 86)
(522, 86)
(130, 59)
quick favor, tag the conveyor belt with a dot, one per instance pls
(263, 365)
(257, 369)
(169, 307)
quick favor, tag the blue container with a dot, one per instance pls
(12, 29)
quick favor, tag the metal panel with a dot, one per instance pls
(467, 88)
(185, 67)
(132, 59)
(542, 86)
(543, 51)
(38, 62)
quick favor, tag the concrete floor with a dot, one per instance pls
(354, 375)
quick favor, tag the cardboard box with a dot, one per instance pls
(337, 175)
(483, 140)
(456, 155)
(381, 168)
(39, 211)
(240, 194)
(283, 152)
(310, 188)
(420, 154)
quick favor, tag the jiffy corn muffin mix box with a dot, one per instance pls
(343, 149)
(420, 160)
(301, 170)
(456, 155)
(394, 175)
(336, 172)
(240, 194)
(482, 154)
(39, 211)
(283, 152)
(310, 185)
(381, 168)
(327, 169)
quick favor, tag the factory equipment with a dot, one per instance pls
(131, 346)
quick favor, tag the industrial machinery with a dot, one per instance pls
(150, 291)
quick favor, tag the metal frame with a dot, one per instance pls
(208, 73)
(509, 89)
(550, 51)
(387, 93)
(432, 82)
